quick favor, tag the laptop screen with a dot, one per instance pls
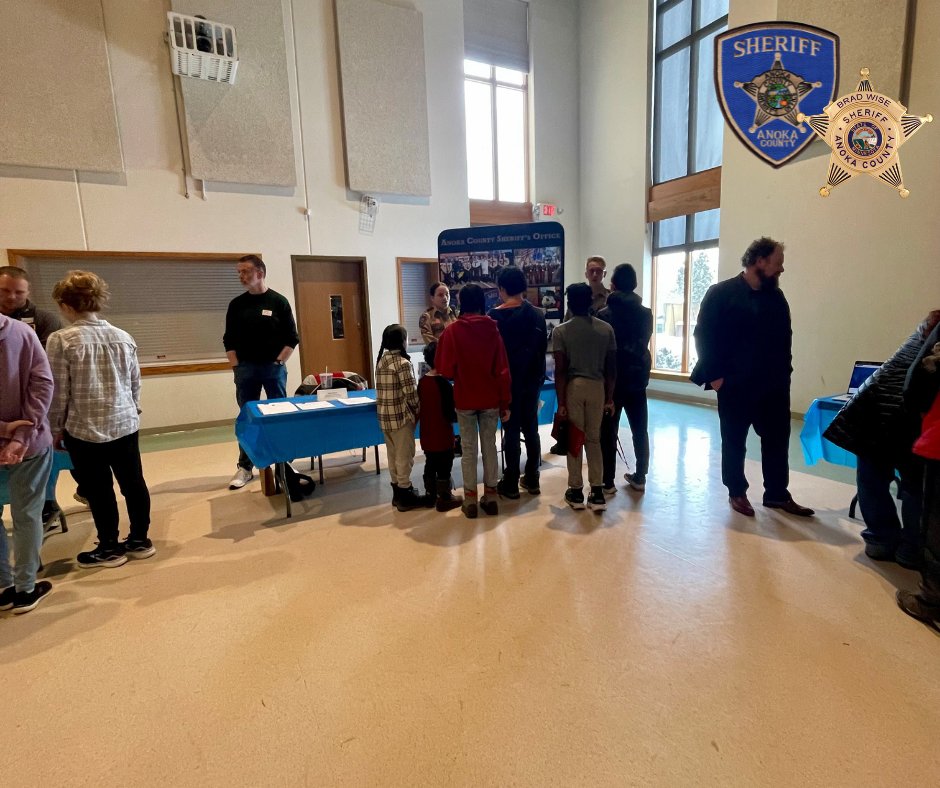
(862, 372)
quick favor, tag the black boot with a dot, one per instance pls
(446, 500)
(395, 491)
(408, 499)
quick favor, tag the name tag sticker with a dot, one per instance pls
(266, 313)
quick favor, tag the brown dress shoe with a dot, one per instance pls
(917, 607)
(741, 505)
(790, 507)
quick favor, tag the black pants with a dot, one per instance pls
(930, 584)
(94, 463)
(437, 468)
(523, 422)
(634, 403)
(768, 412)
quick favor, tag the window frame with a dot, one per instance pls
(496, 211)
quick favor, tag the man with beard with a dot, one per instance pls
(744, 342)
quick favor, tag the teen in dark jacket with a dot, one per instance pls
(633, 326)
(524, 334)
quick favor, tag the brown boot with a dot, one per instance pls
(446, 500)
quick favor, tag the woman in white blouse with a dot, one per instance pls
(95, 412)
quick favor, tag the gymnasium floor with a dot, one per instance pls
(666, 642)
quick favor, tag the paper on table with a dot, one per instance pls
(274, 408)
(316, 405)
(356, 401)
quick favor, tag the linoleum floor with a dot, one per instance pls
(667, 641)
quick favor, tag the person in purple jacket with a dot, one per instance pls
(25, 460)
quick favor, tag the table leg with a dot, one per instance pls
(282, 477)
(320, 458)
(377, 469)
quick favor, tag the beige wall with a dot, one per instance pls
(861, 265)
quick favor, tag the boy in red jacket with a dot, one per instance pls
(471, 353)
(436, 417)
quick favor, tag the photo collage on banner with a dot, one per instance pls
(476, 255)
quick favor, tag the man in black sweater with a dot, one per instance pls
(633, 326)
(260, 335)
(744, 342)
(524, 334)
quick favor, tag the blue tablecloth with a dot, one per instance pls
(815, 446)
(312, 433)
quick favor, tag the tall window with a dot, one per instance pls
(496, 132)
(685, 196)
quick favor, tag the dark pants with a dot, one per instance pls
(879, 511)
(250, 378)
(768, 412)
(634, 403)
(930, 572)
(523, 422)
(94, 463)
(437, 468)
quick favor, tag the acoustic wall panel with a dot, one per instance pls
(385, 104)
(870, 36)
(242, 133)
(56, 102)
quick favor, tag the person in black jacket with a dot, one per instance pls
(880, 431)
(524, 334)
(633, 326)
(744, 339)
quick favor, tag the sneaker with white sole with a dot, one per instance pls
(27, 600)
(109, 558)
(636, 481)
(610, 492)
(574, 498)
(138, 548)
(7, 598)
(596, 501)
(241, 478)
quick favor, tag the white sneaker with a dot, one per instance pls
(241, 478)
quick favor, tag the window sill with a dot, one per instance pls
(675, 377)
(486, 212)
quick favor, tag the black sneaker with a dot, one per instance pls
(27, 600)
(507, 490)
(574, 498)
(636, 481)
(531, 486)
(7, 598)
(596, 501)
(107, 557)
(138, 548)
(489, 506)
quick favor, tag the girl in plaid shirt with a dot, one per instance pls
(396, 398)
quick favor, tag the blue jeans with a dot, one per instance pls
(27, 485)
(470, 422)
(879, 511)
(250, 378)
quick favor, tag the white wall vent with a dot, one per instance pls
(202, 49)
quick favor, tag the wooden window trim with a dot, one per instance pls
(484, 212)
(685, 196)
(18, 256)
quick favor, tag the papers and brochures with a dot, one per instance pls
(274, 408)
(357, 401)
(317, 405)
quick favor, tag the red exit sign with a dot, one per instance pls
(548, 209)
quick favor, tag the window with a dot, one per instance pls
(685, 265)
(684, 200)
(173, 305)
(496, 100)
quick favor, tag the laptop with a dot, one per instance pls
(862, 371)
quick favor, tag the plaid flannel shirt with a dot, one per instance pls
(396, 393)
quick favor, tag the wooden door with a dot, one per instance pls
(333, 315)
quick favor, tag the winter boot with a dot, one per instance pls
(446, 500)
(469, 504)
(408, 499)
(489, 503)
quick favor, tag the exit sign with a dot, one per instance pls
(547, 209)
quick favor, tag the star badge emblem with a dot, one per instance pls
(777, 94)
(865, 129)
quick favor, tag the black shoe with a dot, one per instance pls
(908, 556)
(574, 498)
(109, 557)
(790, 507)
(637, 481)
(557, 449)
(916, 607)
(408, 499)
(507, 490)
(530, 485)
(596, 501)
(880, 552)
(27, 600)
(489, 505)
(138, 548)
(7, 598)
(469, 507)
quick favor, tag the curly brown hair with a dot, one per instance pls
(83, 291)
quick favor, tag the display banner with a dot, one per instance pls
(766, 75)
(476, 255)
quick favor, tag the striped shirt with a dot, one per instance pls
(396, 393)
(97, 381)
